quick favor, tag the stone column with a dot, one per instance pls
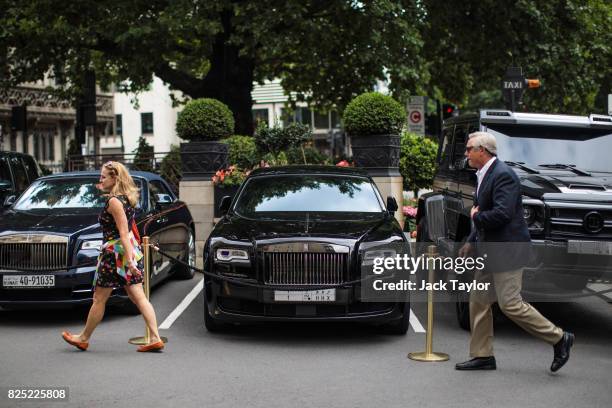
(392, 186)
(199, 197)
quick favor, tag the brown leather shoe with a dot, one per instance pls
(81, 345)
(157, 346)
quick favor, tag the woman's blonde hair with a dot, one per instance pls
(124, 183)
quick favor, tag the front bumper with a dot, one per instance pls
(235, 303)
(72, 287)
(552, 258)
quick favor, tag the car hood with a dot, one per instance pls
(596, 187)
(63, 224)
(244, 229)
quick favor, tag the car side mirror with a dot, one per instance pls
(10, 200)
(391, 205)
(162, 201)
(5, 185)
(224, 205)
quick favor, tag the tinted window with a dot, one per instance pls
(587, 149)
(21, 178)
(5, 173)
(157, 187)
(459, 143)
(445, 149)
(31, 168)
(307, 193)
(68, 193)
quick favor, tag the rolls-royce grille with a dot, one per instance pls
(304, 268)
(35, 256)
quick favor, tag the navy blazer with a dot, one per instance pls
(500, 219)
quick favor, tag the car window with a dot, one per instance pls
(459, 143)
(308, 193)
(76, 193)
(21, 178)
(157, 187)
(445, 150)
(5, 172)
(31, 168)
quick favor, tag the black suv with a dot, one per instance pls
(565, 169)
(17, 172)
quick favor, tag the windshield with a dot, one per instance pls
(77, 193)
(586, 148)
(307, 193)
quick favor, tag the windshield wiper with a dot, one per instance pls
(522, 166)
(571, 167)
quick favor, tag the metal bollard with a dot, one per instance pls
(146, 248)
(428, 354)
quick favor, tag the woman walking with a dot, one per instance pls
(120, 261)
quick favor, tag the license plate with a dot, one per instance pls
(324, 295)
(589, 247)
(28, 281)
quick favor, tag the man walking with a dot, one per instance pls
(497, 217)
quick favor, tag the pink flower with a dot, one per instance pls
(409, 211)
(343, 163)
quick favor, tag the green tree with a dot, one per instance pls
(417, 162)
(567, 44)
(325, 50)
(143, 160)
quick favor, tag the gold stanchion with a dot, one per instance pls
(428, 354)
(146, 248)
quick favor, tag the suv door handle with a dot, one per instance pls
(161, 220)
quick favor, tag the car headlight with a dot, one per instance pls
(95, 244)
(231, 254)
(369, 256)
(529, 214)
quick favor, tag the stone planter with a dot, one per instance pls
(220, 192)
(200, 160)
(378, 154)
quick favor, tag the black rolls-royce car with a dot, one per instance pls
(51, 233)
(294, 228)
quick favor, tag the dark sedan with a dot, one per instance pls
(50, 239)
(289, 229)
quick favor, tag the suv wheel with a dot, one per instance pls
(183, 272)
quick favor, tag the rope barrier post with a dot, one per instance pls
(428, 354)
(146, 247)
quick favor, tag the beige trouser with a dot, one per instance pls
(507, 292)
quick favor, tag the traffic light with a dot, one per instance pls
(448, 110)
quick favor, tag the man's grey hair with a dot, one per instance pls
(486, 141)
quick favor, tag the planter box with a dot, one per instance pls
(200, 160)
(221, 191)
(378, 154)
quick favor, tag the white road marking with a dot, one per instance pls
(182, 306)
(416, 325)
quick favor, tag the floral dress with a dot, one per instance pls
(111, 271)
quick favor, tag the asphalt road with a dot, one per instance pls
(300, 365)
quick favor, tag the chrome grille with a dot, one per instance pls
(569, 221)
(304, 268)
(35, 256)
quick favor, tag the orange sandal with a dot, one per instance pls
(81, 345)
(157, 346)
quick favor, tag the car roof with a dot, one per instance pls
(9, 153)
(309, 169)
(90, 173)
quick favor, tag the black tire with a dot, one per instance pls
(462, 309)
(400, 326)
(183, 272)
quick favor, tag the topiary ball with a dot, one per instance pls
(205, 119)
(373, 113)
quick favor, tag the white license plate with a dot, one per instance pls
(28, 281)
(589, 247)
(324, 295)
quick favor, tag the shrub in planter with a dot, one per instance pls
(417, 162)
(374, 114)
(205, 119)
(275, 139)
(374, 122)
(203, 122)
(242, 151)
